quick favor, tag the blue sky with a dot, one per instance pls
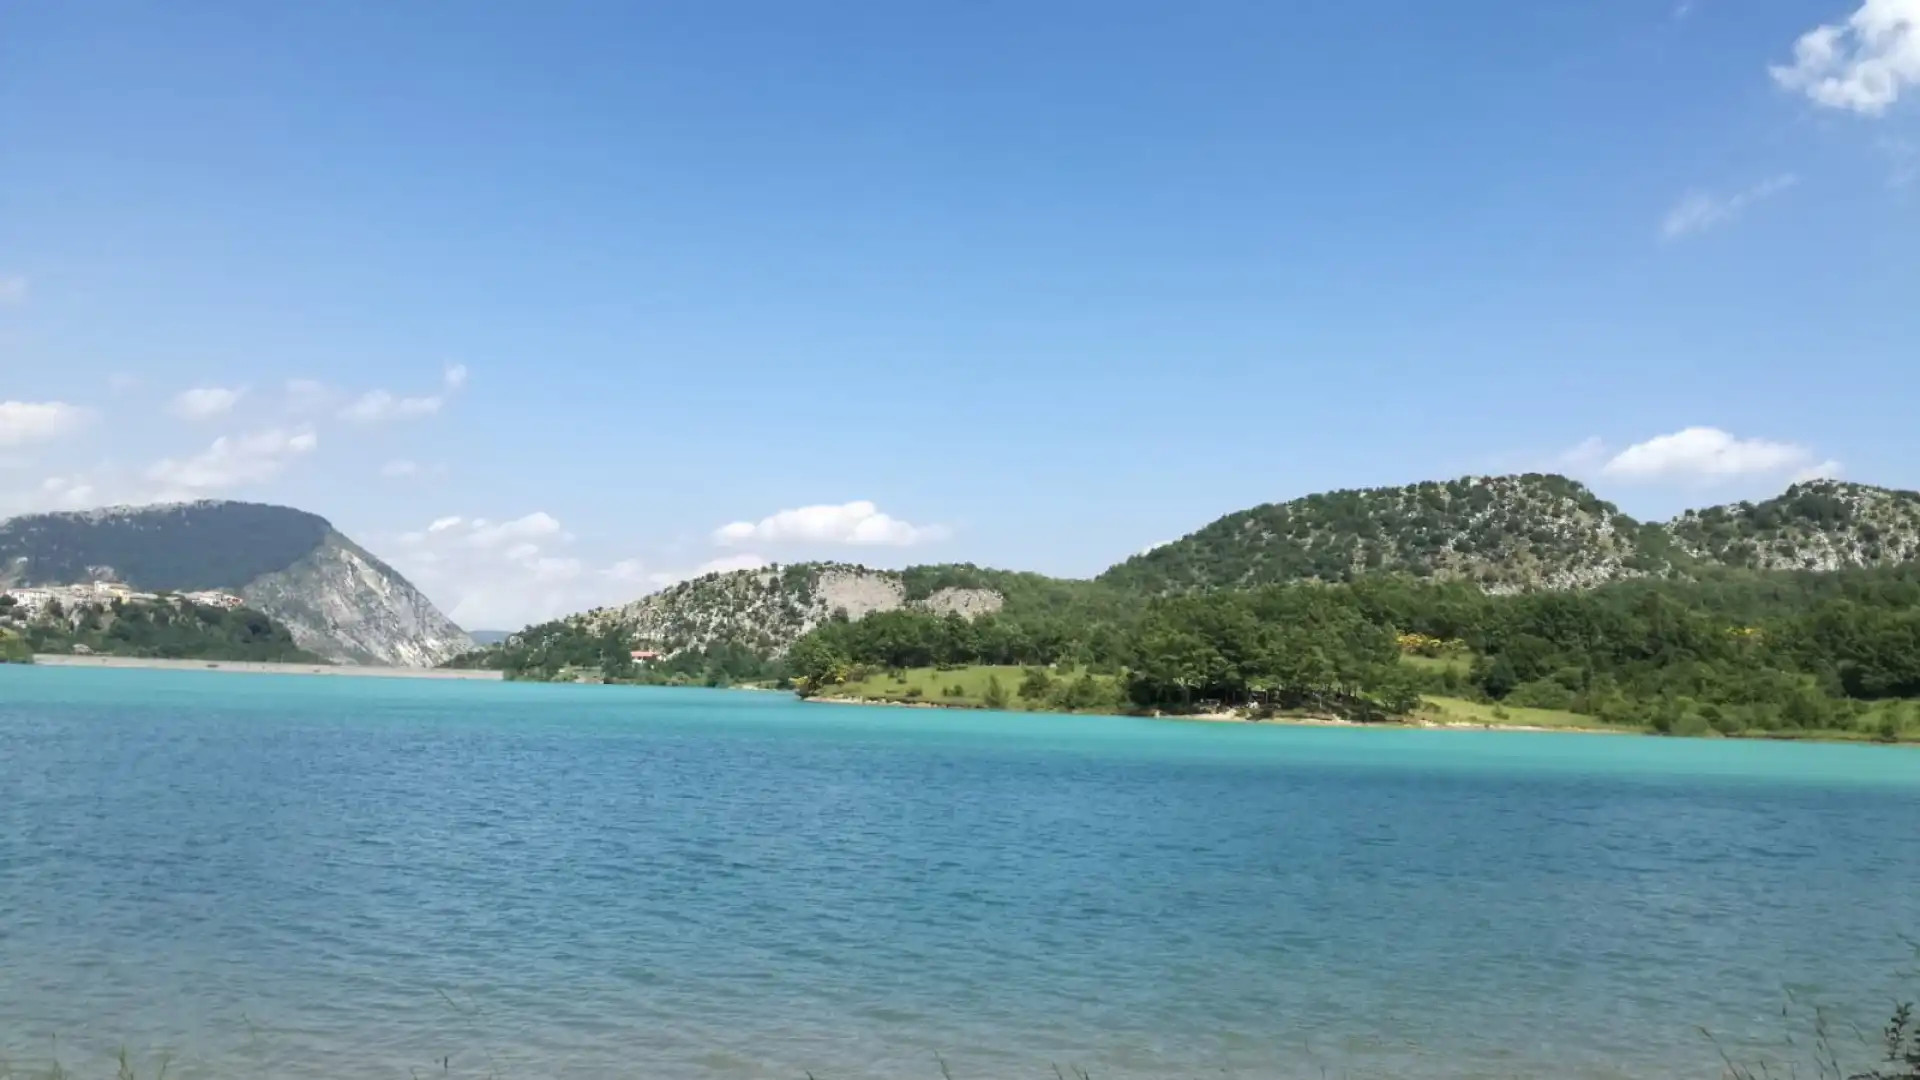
(644, 289)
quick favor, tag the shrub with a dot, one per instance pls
(913, 691)
(996, 697)
(1036, 684)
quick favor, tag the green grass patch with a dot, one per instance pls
(968, 687)
(1445, 710)
(1460, 662)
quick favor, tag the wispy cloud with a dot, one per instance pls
(1863, 64)
(231, 462)
(408, 469)
(1702, 210)
(204, 402)
(24, 423)
(307, 395)
(13, 290)
(507, 574)
(376, 406)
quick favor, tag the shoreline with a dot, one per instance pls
(1235, 718)
(261, 667)
(1417, 723)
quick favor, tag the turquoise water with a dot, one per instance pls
(284, 876)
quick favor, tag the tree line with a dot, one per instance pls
(168, 628)
(1733, 652)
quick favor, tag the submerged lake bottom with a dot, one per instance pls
(275, 876)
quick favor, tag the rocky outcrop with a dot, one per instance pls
(345, 604)
(765, 610)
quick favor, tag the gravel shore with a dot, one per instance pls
(259, 668)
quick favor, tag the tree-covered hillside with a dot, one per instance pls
(1817, 525)
(169, 628)
(736, 625)
(184, 547)
(1503, 533)
(1739, 653)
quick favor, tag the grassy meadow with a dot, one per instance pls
(969, 688)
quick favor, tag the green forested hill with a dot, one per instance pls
(1503, 532)
(184, 547)
(1818, 525)
(1534, 531)
(168, 628)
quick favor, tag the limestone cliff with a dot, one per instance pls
(345, 604)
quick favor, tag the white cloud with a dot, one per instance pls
(13, 291)
(538, 525)
(23, 423)
(725, 564)
(1588, 453)
(509, 574)
(68, 492)
(307, 395)
(1863, 64)
(858, 522)
(231, 462)
(1702, 210)
(204, 402)
(1707, 455)
(376, 406)
(1825, 470)
(408, 469)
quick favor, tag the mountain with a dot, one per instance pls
(1503, 532)
(489, 637)
(765, 610)
(1507, 533)
(1817, 525)
(338, 600)
(729, 617)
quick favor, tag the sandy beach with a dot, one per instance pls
(260, 668)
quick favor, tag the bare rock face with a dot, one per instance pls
(766, 610)
(967, 603)
(341, 602)
(338, 601)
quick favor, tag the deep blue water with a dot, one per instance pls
(285, 876)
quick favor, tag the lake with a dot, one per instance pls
(273, 875)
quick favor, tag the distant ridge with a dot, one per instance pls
(1501, 533)
(1524, 532)
(337, 599)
